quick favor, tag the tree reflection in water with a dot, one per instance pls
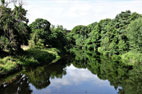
(38, 77)
(125, 79)
(19, 86)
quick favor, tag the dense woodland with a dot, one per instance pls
(121, 36)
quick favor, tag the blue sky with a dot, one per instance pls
(70, 13)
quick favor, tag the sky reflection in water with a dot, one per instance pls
(77, 81)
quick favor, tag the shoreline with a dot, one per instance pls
(31, 58)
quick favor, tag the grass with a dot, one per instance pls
(31, 57)
(7, 65)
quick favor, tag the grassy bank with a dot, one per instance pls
(31, 57)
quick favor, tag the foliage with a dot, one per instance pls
(57, 38)
(40, 32)
(7, 64)
(134, 34)
(31, 57)
(132, 58)
(14, 30)
(44, 35)
(109, 36)
(78, 35)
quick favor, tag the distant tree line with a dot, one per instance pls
(110, 36)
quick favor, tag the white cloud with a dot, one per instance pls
(70, 13)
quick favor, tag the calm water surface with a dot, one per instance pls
(83, 74)
(76, 81)
(57, 79)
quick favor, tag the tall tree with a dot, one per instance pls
(14, 28)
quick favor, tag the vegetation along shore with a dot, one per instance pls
(23, 44)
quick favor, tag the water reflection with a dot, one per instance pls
(79, 76)
(29, 79)
(80, 81)
(125, 79)
(20, 86)
(86, 73)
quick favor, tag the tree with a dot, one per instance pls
(40, 31)
(79, 34)
(14, 28)
(114, 40)
(80, 29)
(98, 34)
(134, 34)
(40, 23)
(58, 37)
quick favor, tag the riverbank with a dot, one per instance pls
(30, 57)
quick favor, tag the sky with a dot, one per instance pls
(70, 13)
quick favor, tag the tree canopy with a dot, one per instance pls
(14, 30)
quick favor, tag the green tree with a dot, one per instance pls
(14, 28)
(134, 34)
(97, 34)
(114, 40)
(79, 34)
(40, 31)
(58, 37)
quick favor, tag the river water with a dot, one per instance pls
(74, 77)
(76, 81)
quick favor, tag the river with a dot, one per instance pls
(71, 76)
